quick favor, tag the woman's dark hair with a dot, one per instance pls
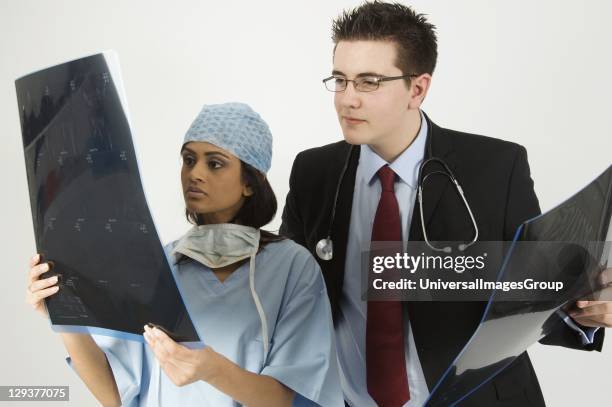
(258, 209)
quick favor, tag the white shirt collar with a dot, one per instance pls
(405, 166)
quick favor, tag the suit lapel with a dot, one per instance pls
(342, 219)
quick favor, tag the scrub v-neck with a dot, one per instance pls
(219, 286)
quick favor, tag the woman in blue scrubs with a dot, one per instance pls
(258, 301)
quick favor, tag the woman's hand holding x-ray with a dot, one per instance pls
(87, 358)
(182, 365)
(38, 289)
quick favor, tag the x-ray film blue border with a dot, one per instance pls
(124, 104)
(94, 330)
(484, 315)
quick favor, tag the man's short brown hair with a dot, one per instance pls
(415, 38)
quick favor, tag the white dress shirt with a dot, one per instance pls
(351, 325)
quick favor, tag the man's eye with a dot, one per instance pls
(339, 81)
(369, 82)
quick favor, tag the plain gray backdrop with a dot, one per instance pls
(533, 72)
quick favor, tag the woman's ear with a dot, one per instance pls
(247, 190)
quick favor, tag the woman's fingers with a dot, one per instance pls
(34, 260)
(34, 298)
(38, 289)
(37, 270)
(44, 283)
(165, 346)
(172, 348)
(158, 350)
(174, 368)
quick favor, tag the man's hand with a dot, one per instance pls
(593, 313)
(596, 313)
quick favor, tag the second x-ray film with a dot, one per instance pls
(89, 210)
(571, 244)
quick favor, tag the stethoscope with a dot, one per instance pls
(325, 247)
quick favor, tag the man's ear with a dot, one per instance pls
(419, 87)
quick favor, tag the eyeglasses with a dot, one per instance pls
(362, 84)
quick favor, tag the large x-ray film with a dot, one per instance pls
(89, 209)
(568, 244)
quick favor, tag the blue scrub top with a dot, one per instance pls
(302, 352)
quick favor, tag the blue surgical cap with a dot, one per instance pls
(237, 128)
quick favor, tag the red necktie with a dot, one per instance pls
(385, 358)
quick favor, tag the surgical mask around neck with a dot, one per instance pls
(222, 244)
(219, 245)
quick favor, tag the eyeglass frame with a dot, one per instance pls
(379, 79)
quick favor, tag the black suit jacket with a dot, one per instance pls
(494, 175)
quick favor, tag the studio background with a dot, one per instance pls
(536, 73)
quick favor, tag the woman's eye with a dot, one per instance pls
(188, 160)
(214, 164)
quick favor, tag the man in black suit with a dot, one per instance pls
(384, 57)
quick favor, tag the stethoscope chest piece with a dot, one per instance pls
(325, 249)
